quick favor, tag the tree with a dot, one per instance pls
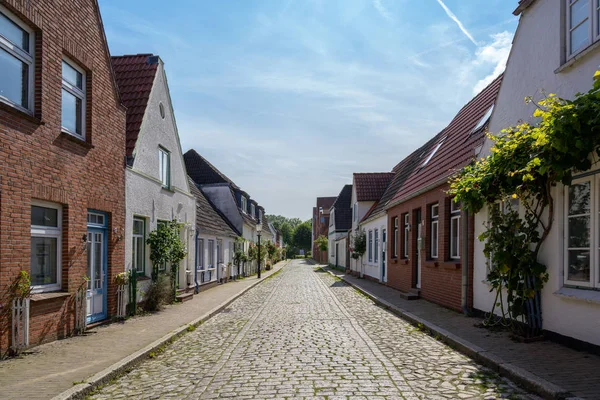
(322, 243)
(359, 246)
(303, 236)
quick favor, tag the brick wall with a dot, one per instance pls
(39, 162)
(441, 278)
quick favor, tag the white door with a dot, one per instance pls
(96, 290)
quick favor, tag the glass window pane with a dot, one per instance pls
(580, 37)
(579, 232)
(454, 237)
(579, 265)
(43, 216)
(139, 254)
(434, 211)
(89, 260)
(72, 76)
(14, 79)
(138, 227)
(71, 112)
(14, 32)
(44, 261)
(579, 198)
(579, 11)
(98, 261)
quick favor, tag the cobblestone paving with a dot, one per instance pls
(304, 334)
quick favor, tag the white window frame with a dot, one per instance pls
(454, 218)
(27, 57)
(376, 247)
(220, 252)
(594, 236)
(211, 253)
(252, 210)
(593, 30)
(49, 232)
(435, 222)
(244, 205)
(406, 234)
(370, 258)
(134, 246)
(200, 255)
(395, 237)
(164, 169)
(77, 92)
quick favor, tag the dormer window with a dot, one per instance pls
(244, 205)
(437, 147)
(253, 210)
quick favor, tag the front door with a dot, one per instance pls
(383, 254)
(337, 248)
(419, 248)
(97, 252)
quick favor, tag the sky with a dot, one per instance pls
(289, 98)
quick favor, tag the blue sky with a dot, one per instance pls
(290, 97)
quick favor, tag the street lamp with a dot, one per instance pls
(258, 231)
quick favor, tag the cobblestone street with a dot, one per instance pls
(305, 334)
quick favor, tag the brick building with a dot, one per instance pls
(62, 150)
(428, 256)
(320, 226)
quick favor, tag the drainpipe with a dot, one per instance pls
(195, 264)
(465, 263)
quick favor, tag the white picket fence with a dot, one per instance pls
(20, 324)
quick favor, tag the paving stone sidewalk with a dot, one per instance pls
(576, 372)
(53, 368)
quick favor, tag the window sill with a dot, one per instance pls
(49, 296)
(167, 189)
(591, 48)
(20, 113)
(75, 139)
(587, 296)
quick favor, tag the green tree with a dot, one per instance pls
(303, 236)
(322, 243)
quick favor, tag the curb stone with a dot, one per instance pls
(519, 375)
(80, 390)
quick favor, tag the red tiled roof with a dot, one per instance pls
(325, 202)
(371, 186)
(135, 76)
(458, 144)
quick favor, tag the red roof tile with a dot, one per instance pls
(458, 142)
(371, 186)
(135, 76)
(325, 202)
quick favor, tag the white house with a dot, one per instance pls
(156, 181)
(367, 189)
(340, 222)
(556, 49)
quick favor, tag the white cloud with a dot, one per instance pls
(382, 10)
(458, 22)
(494, 53)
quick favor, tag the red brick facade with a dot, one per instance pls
(320, 227)
(39, 162)
(441, 277)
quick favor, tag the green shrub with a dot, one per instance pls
(158, 294)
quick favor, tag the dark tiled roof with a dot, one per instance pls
(325, 202)
(371, 186)
(203, 172)
(458, 144)
(343, 210)
(402, 172)
(135, 77)
(523, 4)
(208, 218)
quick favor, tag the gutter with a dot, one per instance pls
(418, 192)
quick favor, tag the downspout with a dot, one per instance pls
(196, 263)
(465, 263)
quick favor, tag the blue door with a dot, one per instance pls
(97, 266)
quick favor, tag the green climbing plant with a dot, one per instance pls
(526, 162)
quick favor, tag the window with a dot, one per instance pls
(437, 147)
(435, 216)
(260, 216)
(454, 230)
(219, 251)
(582, 25)
(46, 230)
(96, 219)
(16, 61)
(139, 246)
(376, 255)
(73, 99)
(370, 246)
(211, 254)
(582, 242)
(395, 245)
(484, 120)
(252, 210)
(406, 233)
(244, 205)
(164, 165)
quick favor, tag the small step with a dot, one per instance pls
(183, 297)
(409, 295)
